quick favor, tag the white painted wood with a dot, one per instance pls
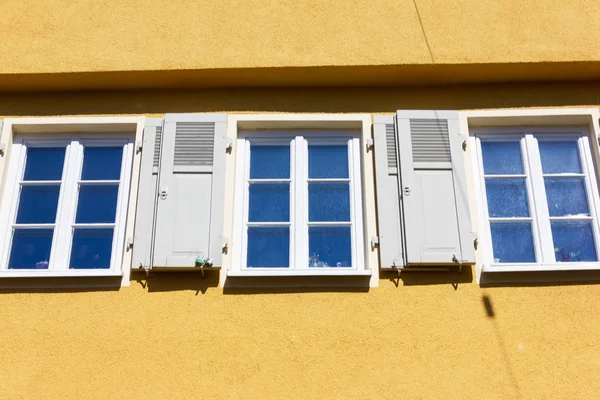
(256, 272)
(299, 243)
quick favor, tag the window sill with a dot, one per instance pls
(298, 272)
(584, 266)
(58, 274)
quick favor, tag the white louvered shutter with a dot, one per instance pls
(191, 190)
(437, 224)
(389, 220)
(146, 197)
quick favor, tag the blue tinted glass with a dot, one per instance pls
(328, 161)
(91, 248)
(38, 204)
(512, 242)
(506, 198)
(269, 202)
(268, 247)
(328, 202)
(501, 158)
(566, 196)
(30, 249)
(329, 247)
(573, 241)
(44, 164)
(560, 157)
(97, 204)
(102, 163)
(270, 162)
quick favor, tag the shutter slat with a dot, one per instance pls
(194, 143)
(157, 139)
(430, 140)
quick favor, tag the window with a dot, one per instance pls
(65, 206)
(301, 202)
(540, 199)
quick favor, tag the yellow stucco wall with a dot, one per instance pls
(422, 341)
(40, 36)
(427, 335)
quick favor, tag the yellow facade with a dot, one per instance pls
(176, 335)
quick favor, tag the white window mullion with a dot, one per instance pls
(299, 227)
(67, 203)
(11, 199)
(587, 165)
(121, 215)
(538, 203)
(357, 232)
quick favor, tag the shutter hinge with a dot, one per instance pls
(374, 242)
(598, 145)
(129, 243)
(225, 245)
(475, 243)
(228, 145)
(2, 148)
(138, 147)
(458, 262)
(369, 145)
(464, 145)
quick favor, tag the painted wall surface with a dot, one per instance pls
(47, 36)
(425, 335)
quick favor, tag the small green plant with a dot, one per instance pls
(204, 262)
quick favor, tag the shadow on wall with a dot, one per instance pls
(306, 99)
(176, 281)
(502, 347)
(422, 277)
(60, 285)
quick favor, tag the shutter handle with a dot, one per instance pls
(406, 191)
(163, 193)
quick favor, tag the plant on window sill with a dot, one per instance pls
(203, 262)
(565, 256)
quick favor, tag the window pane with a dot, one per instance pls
(328, 161)
(91, 249)
(507, 198)
(38, 204)
(30, 249)
(44, 164)
(102, 163)
(329, 202)
(269, 202)
(512, 242)
(573, 241)
(268, 247)
(329, 247)
(97, 204)
(501, 158)
(566, 196)
(269, 162)
(560, 157)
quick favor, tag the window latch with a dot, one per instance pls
(163, 193)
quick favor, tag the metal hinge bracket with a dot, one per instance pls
(464, 145)
(369, 145)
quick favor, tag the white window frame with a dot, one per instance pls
(299, 224)
(17, 133)
(539, 214)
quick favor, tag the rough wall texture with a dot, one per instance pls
(427, 336)
(44, 36)
(417, 340)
